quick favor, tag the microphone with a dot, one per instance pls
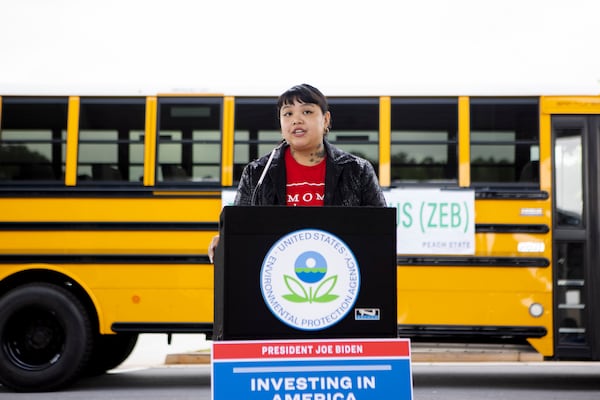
(262, 176)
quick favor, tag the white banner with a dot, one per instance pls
(434, 221)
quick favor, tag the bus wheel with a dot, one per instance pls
(45, 338)
(110, 351)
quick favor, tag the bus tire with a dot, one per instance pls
(45, 338)
(109, 352)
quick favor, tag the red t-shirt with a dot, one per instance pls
(305, 185)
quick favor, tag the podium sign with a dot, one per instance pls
(368, 369)
(305, 272)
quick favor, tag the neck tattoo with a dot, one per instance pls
(314, 157)
(318, 155)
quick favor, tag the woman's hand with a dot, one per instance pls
(211, 247)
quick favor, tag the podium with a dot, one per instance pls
(305, 273)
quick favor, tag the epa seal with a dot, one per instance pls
(310, 279)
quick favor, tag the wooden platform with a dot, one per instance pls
(421, 352)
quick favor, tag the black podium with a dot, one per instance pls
(305, 273)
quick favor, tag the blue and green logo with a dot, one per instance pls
(310, 279)
(310, 268)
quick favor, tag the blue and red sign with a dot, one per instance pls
(345, 369)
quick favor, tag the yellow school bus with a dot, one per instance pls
(107, 205)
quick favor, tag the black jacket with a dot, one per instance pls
(349, 181)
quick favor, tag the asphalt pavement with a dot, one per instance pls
(147, 375)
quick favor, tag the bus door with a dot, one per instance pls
(576, 243)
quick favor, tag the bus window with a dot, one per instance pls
(505, 142)
(189, 140)
(32, 139)
(424, 141)
(256, 131)
(355, 127)
(568, 178)
(111, 140)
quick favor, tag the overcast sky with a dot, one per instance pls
(262, 47)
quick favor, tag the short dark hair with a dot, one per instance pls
(303, 93)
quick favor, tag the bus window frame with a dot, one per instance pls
(516, 143)
(452, 141)
(188, 180)
(58, 145)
